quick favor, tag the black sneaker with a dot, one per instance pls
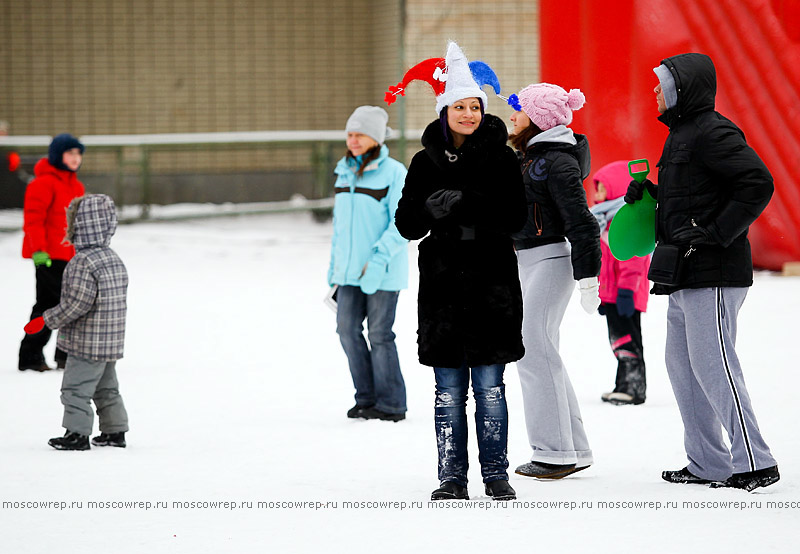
(750, 480)
(683, 476)
(374, 413)
(110, 439)
(541, 470)
(500, 490)
(357, 411)
(450, 491)
(70, 441)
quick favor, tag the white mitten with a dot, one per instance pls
(589, 288)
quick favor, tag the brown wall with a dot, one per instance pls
(181, 66)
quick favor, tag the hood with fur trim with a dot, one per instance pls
(91, 221)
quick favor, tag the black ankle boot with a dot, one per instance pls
(70, 441)
(500, 490)
(110, 439)
(450, 491)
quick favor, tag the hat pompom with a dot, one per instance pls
(575, 99)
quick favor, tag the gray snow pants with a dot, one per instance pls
(708, 383)
(87, 380)
(552, 415)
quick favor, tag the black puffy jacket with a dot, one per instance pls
(553, 173)
(707, 176)
(470, 301)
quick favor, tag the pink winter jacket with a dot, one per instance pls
(614, 274)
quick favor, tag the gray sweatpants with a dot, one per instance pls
(552, 415)
(708, 383)
(87, 380)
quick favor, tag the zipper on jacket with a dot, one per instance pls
(691, 247)
(537, 219)
(352, 222)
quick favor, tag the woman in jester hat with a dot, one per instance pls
(464, 194)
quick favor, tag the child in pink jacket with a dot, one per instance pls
(623, 291)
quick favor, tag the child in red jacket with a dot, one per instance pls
(623, 291)
(45, 218)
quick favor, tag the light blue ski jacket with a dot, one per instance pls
(363, 226)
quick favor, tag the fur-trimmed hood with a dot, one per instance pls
(91, 221)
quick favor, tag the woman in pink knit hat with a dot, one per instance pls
(559, 243)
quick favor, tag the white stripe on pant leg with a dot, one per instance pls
(746, 438)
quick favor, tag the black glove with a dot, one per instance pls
(601, 309)
(636, 190)
(441, 202)
(692, 235)
(625, 307)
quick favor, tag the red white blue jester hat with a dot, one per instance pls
(452, 78)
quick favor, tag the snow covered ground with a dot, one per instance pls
(237, 389)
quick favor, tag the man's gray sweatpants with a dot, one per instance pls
(87, 380)
(708, 383)
(552, 414)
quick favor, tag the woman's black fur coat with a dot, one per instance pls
(470, 302)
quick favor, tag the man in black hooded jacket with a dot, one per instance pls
(711, 187)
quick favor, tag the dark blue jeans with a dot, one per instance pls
(491, 422)
(375, 368)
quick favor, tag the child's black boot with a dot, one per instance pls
(70, 441)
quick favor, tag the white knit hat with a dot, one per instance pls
(459, 83)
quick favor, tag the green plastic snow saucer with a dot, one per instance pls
(633, 229)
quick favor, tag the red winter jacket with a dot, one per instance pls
(614, 274)
(45, 213)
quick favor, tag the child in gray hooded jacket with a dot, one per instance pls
(91, 322)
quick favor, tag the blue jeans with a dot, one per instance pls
(491, 422)
(375, 368)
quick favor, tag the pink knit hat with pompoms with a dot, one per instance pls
(548, 105)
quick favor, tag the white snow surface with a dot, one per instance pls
(237, 387)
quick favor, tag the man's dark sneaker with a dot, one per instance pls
(683, 476)
(374, 413)
(750, 480)
(541, 470)
(110, 439)
(450, 491)
(70, 441)
(500, 490)
(35, 366)
(357, 411)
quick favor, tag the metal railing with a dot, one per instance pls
(134, 151)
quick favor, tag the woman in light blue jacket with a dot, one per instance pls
(369, 263)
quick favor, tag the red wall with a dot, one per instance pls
(608, 50)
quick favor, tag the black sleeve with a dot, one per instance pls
(727, 155)
(580, 227)
(411, 218)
